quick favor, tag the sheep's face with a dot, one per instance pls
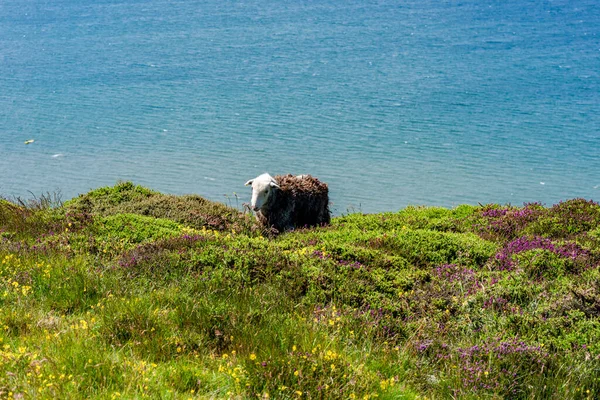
(262, 188)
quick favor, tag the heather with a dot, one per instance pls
(125, 292)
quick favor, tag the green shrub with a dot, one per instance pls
(541, 263)
(432, 218)
(190, 210)
(134, 228)
(424, 248)
(567, 219)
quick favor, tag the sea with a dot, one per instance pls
(390, 102)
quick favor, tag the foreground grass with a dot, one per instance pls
(128, 293)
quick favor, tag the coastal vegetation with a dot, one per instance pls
(125, 292)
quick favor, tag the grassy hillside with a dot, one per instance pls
(128, 293)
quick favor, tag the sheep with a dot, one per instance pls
(285, 202)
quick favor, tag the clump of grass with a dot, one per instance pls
(25, 219)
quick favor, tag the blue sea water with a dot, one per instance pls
(390, 102)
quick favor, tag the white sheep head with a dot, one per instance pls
(262, 187)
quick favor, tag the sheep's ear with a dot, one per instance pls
(249, 182)
(274, 184)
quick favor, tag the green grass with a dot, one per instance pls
(128, 293)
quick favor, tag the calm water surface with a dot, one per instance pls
(390, 102)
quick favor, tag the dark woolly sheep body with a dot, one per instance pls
(299, 202)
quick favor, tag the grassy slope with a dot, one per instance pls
(128, 293)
